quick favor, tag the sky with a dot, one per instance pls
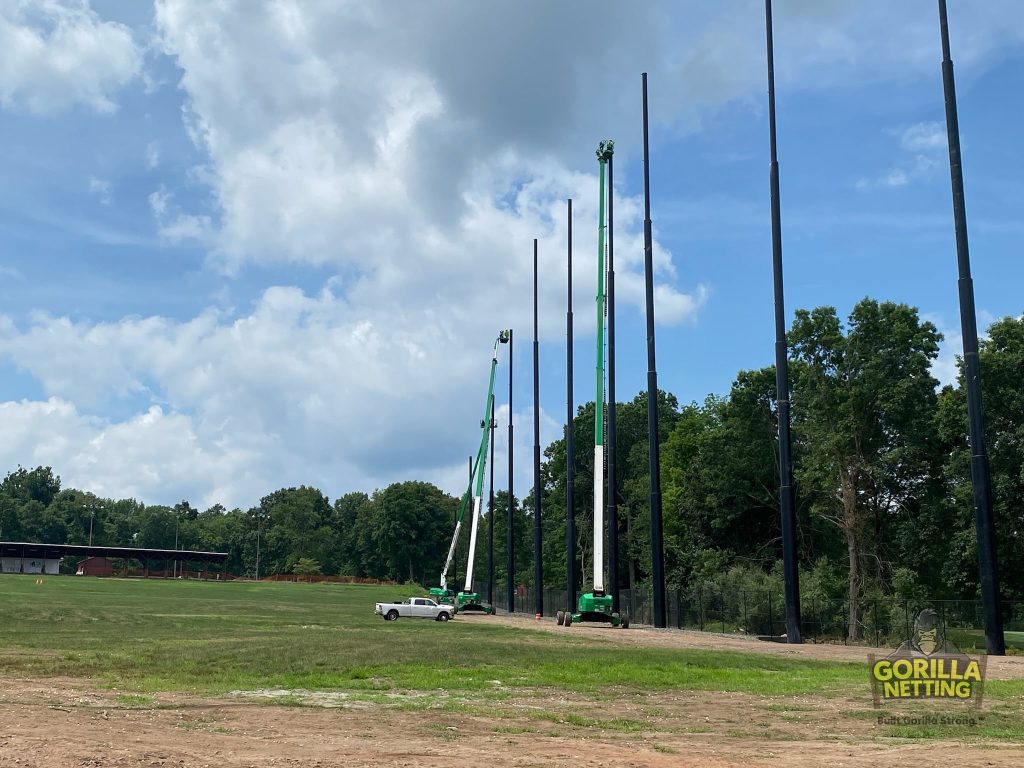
(253, 245)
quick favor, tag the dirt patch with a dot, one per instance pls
(999, 668)
(68, 724)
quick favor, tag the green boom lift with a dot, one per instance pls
(595, 605)
(467, 599)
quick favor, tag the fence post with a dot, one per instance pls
(721, 603)
(814, 612)
(906, 620)
(700, 607)
(743, 596)
(679, 608)
(875, 614)
(771, 616)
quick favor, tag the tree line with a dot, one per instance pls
(881, 464)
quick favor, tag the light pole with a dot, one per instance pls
(92, 514)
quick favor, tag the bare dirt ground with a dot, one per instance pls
(69, 723)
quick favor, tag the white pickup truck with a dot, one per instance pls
(415, 607)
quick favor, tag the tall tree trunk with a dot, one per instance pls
(853, 545)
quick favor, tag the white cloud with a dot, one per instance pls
(924, 137)
(100, 189)
(55, 54)
(299, 390)
(896, 178)
(152, 155)
(415, 150)
(154, 456)
(924, 146)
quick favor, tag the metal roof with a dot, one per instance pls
(45, 551)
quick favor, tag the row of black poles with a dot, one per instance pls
(980, 477)
(657, 546)
(987, 561)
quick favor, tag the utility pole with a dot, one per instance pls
(538, 555)
(570, 445)
(980, 478)
(510, 560)
(657, 547)
(787, 503)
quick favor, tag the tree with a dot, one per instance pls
(296, 524)
(306, 566)
(409, 525)
(864, 404)
(720, 483)
(1001, 357)
(344, 520)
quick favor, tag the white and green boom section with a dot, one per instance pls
(596, 605)
(467, 599)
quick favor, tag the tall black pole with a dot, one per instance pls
(538, 555)
(570, 444)
(787, 504)
(987, 562)
(490, 519)
(510, 560)
(657, 547)
(612, 585)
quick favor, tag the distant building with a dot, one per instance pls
(50, 565)
(95, 566)
(34, 557)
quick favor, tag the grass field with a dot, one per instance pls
(283, 641)
(152, 635)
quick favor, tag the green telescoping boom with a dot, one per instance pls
(467, 599)
(596, 605)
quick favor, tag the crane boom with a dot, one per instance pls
(604, 152)
(481, 462)
(476, 478)
(596, 606)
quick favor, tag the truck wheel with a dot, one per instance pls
(560, 618)
(567, 621)
(392, 615)
(443, 616)
(625, 622)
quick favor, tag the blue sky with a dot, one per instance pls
(251, 247)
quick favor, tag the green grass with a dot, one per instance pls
(973, 640)
(145, 636)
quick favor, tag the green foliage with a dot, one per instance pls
(883, 485)
(306, 566)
